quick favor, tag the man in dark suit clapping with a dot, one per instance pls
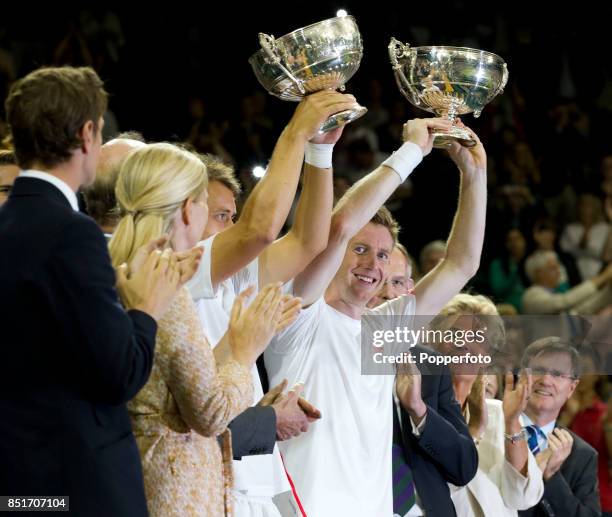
(71, 356)
(568, 462)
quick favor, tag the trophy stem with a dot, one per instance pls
(443, 140)
(341, 118)
(453, 108)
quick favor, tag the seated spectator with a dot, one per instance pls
(521, 166)
(545, 239)
(514, 206)
(505, 273)
(586, 238)
(589, 297)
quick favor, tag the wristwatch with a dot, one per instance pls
(517, 437)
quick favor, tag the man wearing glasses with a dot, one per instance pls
(569, 464)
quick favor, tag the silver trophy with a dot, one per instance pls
(322, 56)
(448, 81)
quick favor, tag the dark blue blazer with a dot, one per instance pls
(254, 430)
(574, 490)
(444, 452)
(71, 358)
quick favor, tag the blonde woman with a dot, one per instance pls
(508, 477)
(180, 416)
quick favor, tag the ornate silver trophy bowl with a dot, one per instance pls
(448, 81)
(324, 55)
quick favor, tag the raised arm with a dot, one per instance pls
(464, 244)
(355, 209)
(266, 209)
(289, 255)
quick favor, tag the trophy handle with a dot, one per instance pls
(504, 80)
(268, 44)
(397, 49)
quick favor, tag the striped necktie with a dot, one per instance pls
(404, 495)
(533, 431)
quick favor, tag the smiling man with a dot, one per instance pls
(570, 464)
(344, 465)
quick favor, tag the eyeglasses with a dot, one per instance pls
(540, 370)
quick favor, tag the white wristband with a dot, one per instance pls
(319, 155)
(405, 159)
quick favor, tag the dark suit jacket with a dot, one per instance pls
(253, 432)
(71, 359)
(574, 490)
(444, 452)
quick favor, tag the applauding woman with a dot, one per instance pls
(508, 477)
(180, 416)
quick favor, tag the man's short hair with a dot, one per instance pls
(386, 219)
(552, 345)
(7, 157)
(47, 108)
(221, 172)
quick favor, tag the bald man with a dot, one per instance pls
(100, 195)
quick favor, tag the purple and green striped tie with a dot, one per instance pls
(404, 495)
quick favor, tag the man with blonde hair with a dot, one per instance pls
(223, 192)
